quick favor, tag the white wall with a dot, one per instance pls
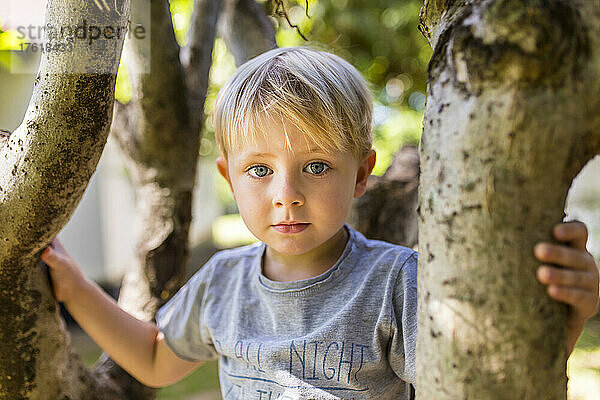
(583, 202)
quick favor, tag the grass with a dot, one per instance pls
(204, 380)
(583, 368)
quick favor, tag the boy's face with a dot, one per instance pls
(293, 201)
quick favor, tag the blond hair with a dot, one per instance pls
(324, 96)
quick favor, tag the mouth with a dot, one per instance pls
(290, 227)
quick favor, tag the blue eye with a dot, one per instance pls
(258, 171)
(317, 168)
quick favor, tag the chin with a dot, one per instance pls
(292, 249)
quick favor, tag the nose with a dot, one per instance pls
(287, 194)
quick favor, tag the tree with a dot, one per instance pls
(396, 70)
(511, 118)
(51, 152)
(387, 211)
(359, 31)
(159, 131)
(56, 150)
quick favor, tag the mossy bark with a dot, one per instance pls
(45, 167)
(512, 116)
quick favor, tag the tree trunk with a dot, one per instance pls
(56, 150)
(159, 133)
(512, 116)
(246, 29)
(388, 210)
(45, 167)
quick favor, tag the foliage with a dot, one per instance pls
(203, 380)
(393, 129)
(583, 367)
(181, 13)
(379, 37)
(123, 90)
(9, 44)
(359, 31)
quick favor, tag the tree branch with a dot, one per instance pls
(436, 16)
(197, 56)
(156, 133)
(60, 141)
(4, 136)
(246, 29)
(511, 117)
(45, 167)
(158, 113)
(387, 211)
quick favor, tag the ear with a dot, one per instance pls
(362, 175)
(224, 170)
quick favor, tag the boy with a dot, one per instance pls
(314, 310)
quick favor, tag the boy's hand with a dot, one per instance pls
(575, 280)
(64, 272)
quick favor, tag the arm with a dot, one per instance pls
(575, 281)
(137, 346)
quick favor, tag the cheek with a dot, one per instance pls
(249, 200)
(335, 199)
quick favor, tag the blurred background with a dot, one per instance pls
(102, 233)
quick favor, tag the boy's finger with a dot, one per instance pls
(50, 256)
(573, 232)
(567, 278)
(564, 256)
(47, 254)
(572, 296)
(57, 244)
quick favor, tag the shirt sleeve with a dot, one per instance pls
(181, 319)
(402, 350)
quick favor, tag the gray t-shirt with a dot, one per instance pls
(348, 333)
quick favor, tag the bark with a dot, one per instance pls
(197, 56)
(44, 169)
(4, 136)
(511, 118)
(159, 133)
(387, 211)
(246, 29)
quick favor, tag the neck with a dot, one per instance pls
(286, 267)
